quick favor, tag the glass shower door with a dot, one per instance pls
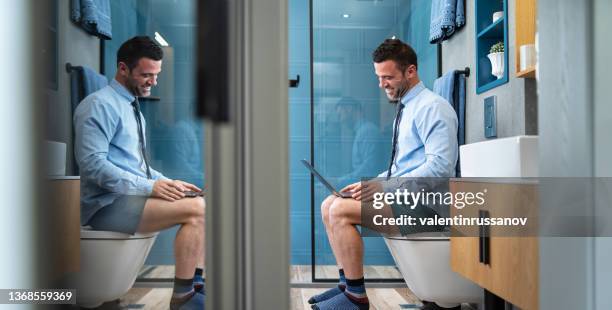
(351, 117)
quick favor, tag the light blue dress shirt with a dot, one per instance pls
(107, 149)
(366, 153)
(427, 140)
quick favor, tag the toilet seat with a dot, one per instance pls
(89, 234)
(424, 236)
(109, 264)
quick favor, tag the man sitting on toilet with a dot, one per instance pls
(119, 190)
(424, 145)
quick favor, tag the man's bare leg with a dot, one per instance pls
(328, 294)
(325, 206)
(198, 279)
(202, 255)
(160, 214)
(344, 214)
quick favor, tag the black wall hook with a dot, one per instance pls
(295, 83)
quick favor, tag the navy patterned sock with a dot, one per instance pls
(342, 301)
(182, 287)
(342, 279)
(331, 292)
(198, 280)
(355, 290)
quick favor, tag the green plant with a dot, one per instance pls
(497, 48)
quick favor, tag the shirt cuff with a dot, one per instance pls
(148, 186)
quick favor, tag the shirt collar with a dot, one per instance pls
(414, 91)
(122, 91)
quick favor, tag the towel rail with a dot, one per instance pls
(465, 72)
(69, 67)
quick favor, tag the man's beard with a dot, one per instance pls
(401, 91)
(133, 87)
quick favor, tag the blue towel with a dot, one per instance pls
(446, 17)
(83, 82)
(445, 85)
(94, 16)
(92, 81)
(451, 87)
(460, 14)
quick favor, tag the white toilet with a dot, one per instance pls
(110, 262)
(424, 259)
(424, 262)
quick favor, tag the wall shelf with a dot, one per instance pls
(487, 34)
(525, 21)
(529, 73)
(495, 30)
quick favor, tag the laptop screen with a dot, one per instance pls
(319, 177)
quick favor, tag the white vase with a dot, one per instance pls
(497, 64)
(498, 15)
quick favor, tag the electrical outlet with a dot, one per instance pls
(490, 117)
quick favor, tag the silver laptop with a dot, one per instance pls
(324, 181)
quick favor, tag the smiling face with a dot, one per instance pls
(393, 81)
(141, 78)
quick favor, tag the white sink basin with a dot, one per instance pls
(514, 157)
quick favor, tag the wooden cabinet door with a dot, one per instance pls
(64, 224)
(512, 270)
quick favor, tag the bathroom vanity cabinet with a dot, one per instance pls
(64, 224)
(503, 261)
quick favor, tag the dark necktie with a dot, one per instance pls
(398, 118)
(136, 107)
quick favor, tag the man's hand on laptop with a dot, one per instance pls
(369, 188)
(172, 190)
(354, 189)
(363, 190)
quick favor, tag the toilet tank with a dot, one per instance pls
(513, 157)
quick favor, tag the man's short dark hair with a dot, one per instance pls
(396, 50)
(132, 50)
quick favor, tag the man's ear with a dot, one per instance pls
(123, 69)
(410, 71)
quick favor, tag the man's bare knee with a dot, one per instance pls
(197, 207)
(325, 206)
(337, 213)
(345, 212)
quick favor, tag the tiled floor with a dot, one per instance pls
(158, 298)
(303, 273)
(398, 297)
(380, 298)
(299, 273)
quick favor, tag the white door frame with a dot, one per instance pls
(574, 118)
